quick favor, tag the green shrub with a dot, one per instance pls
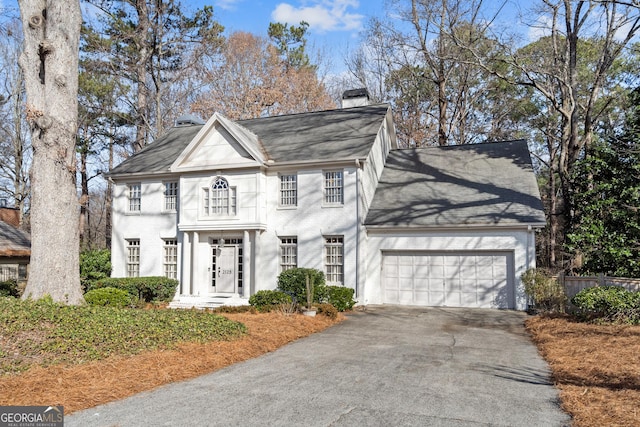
(110, 296)
(9, 288)
(234, 309)
(94, 265)
(327, 309)
(293, 282)
(608, 303)
(340, 297)
(148, 289)
(265, 300)
(545, 292)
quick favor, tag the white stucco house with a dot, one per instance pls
(225, 206)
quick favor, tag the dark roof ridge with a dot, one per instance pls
(315, 112)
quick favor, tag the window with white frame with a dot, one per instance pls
(170, 196)
(333, 187)
(288, 190)
(219, 199)
(334, 259)
(133, 258)
(288, 253)
(133, 195)
(170, 258)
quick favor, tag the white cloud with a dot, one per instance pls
(322, 15)
(227, 4)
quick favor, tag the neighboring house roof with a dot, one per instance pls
(477, 184)
(13, 242)
(318, 136)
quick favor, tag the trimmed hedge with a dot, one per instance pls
(110, 297)
(293, 282)
(148, 289)
(264, 300)
(340, 297)
(608, 303)
(94, 265)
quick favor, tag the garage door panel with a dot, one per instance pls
(465, 279)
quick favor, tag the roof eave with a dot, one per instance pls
(417, 228)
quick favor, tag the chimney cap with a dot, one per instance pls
(188, 120)
(356, 93)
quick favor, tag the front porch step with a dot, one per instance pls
(213, 301)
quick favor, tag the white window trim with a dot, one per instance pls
(295, 190)
(327, 265)
(165, 199)
(206, 201)
(326, 203)
(288, 242)
(170, 244)
(134, 266)
(129, 188)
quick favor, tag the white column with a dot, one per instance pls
(248, 258)
(195, 286)
(185, 264)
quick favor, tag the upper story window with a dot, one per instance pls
(333, 188)
(219, 199)
(170, 196)
(133, 195)
(288, 190)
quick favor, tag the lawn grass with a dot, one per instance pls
(595, 367)
(187, 344)
(45, 333)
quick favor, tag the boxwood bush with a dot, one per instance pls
(293, 282)
(545, 292)
(265, 300)
(148, 289)
(95, 264)
(340, 297)
(110, 297)
(608, 303)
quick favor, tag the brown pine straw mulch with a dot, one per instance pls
(83, 386)
(595, 367)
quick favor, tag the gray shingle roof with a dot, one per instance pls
(320, 136)
(13, 242)
(479, 184)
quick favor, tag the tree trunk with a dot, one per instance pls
(50, 65)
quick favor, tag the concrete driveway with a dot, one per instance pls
(386, 366)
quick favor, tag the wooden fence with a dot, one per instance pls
(574, 284)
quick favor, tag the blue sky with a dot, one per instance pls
(335, 26)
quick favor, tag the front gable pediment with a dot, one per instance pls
(220, 144)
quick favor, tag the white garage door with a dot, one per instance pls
(452, 279)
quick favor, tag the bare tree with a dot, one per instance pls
(15, 150)
(50, 65)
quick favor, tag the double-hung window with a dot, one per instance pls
(219, 199)
(288, 190)
(170, 258)
(170, 196)
(334, 259)
(288, 253)
(333, 188)
(134, 195)
(133, 258)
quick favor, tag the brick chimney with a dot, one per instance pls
(10, 215)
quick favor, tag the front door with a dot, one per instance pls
(224, 269)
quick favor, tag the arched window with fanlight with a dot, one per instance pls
(219, 199)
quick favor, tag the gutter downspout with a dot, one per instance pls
(356, 291)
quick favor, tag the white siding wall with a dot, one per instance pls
(310, 222)
(520, 242)
(151, 225)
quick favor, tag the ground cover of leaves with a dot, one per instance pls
(81, 386)
(595, 367)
